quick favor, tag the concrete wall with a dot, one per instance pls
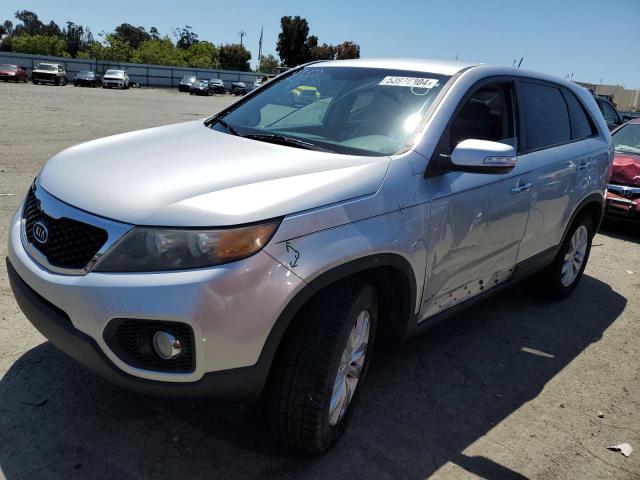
(145, 75)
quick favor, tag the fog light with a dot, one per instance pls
(166, 345)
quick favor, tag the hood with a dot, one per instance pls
(189, 175)
(626, 169)
(6, 70)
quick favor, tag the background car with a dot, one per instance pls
(49, 73)
(86, 78)
(201, 87)
(185, 83)
(623, 191)
(609, 112)
(304, 94)
(218, 85)
(15, 73)
(238, 88)
(115, 78)
(626, 116)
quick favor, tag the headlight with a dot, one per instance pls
(147, 249)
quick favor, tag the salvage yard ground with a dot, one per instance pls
(514, 388)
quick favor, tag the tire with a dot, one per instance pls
(301, 386)
(57, 81)
(563, 275)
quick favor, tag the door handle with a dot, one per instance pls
(522, 187)
(582, 166)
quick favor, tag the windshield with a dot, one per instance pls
(201, 83)
(48, 67)
(8, 67)
(86, 74)
(343, 109)
(114, 73)
(188, 79)
(627, 139)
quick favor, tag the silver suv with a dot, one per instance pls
(269, 248)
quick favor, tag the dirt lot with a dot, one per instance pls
(511, 389)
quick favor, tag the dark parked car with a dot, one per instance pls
(218, 85)
(609, 112)
(86, 78)
(201, 87)
(186, 82)
(626, 116)
(623, 191)
(15, 73)
(238, 88)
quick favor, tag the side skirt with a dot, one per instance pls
(522, 270)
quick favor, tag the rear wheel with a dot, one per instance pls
(564, 274)
(325, 359)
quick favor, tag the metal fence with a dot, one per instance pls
(142, 74)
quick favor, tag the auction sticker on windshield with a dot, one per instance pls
(409, 82)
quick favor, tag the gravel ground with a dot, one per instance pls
(514, 388)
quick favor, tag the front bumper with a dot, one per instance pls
(113, 83)
(623, 203)
(231, 309)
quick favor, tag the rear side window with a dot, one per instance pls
(581, 123)
(608, 112)
(546, 116)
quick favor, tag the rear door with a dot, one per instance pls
(477, 219)
(553, 143)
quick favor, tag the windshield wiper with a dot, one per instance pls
(229, 128)
(284, 140)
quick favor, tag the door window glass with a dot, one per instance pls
(487, 115)
(609, 114)
(581, 124)
(546, 116)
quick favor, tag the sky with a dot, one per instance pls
(590, 39)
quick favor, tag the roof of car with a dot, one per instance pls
(443, 67)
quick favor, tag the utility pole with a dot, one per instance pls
(242, 35)
(520, 62)
(260, 44)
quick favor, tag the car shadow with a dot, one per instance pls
(621, 230)
(424, 403)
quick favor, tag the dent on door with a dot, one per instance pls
(477, 223)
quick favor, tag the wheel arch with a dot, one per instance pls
(594, 206)
(390, 274)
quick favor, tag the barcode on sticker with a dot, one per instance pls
(416, 82)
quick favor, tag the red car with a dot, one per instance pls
(623, 191)
(15, 73)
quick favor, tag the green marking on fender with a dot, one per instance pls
(296, 254)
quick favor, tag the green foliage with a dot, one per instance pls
(39, 45)
(134, 36)
(235, 57)
(117, 50)
(160, 52)
(347, 50)
(203, 55)
(93, 49)
(268, 64)
(292, 45)
(185, 37)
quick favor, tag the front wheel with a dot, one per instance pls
(325, 358)
(564, 274)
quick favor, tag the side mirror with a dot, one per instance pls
(482, 156)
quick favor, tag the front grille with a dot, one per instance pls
(70, 244)
(627, 191)
(132, 341)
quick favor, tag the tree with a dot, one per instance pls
(292, 45)
(203, 55)
(155, 35)
(160, 52)
(347, 50)
(323, 52)
(185, 37)
(94, 49)
(134, 36)
(39, 45)
(116, 49)
(235, 57)
(268, 64)
(31, 24)
(6, 33)
(77, 38)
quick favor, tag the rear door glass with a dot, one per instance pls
(546, 116)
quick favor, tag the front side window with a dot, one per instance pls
(546, 116)
(627, 139)
(489, 114)
(368, 111)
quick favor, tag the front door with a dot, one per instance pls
(477, 219)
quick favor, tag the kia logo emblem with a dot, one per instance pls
(40, 232)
